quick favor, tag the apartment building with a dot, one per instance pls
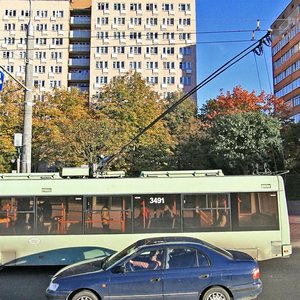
(85, 43)
(286, 57)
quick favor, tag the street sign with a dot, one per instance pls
(1, 80)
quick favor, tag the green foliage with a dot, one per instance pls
(244, 139)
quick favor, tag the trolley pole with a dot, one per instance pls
(28, 103)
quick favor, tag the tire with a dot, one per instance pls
(216, 293)
(85, 295)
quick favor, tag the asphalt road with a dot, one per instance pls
(280, 278)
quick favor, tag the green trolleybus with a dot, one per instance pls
(51, 213)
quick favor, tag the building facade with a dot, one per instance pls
(286, 57)
(85, 43)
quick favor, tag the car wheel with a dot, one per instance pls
(85, 295)
(216, 293)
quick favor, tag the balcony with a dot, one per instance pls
(79, 76)
(80, 34)
(79, 48)
(82, 62)
(80, 20)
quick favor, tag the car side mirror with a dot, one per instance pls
(119, 269)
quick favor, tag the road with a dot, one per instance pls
(280, 278)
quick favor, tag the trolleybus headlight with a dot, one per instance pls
(53, 286)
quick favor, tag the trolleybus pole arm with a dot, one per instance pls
(257, 46)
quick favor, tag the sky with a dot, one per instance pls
(215, 46)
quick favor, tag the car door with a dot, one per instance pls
(138, 284)
(187, 272)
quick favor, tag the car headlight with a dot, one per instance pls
(53, 286)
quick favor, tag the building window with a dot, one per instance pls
(57, 41)
(168, 50)
(40, 55)
(118, 50)
(7, 54)
(102, 35)
(135, 50)
(42, 13)
(102, 50)
(152, 80)
(102, 21)
(135, 6)
(151, 35)
(119, 6)
(58, 13)
(10, 12)
(119, 21)
(186, 80)
(103, 6)
(41, 41)
(9, 40)
(56, 69)
(185, 50)
(167, 7)
(169, 80)
(41, 27)
(168, 21)
(56, 55)
(151, 7)
(135, 65)
(101, 79)
(184, 7)
(9, 26)
(39, 69)
(57, 27)
(101, 64)
(118, 65)
(55, 83)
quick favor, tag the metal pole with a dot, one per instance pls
(27, 129)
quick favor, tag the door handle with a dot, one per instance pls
(204, 276)
(154, 279)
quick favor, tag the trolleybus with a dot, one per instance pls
(43, 213)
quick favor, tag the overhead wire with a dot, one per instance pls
(252, 48)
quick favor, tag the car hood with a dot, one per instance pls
(94, 265)
(238, 255)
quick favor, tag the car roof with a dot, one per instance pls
(168, 239)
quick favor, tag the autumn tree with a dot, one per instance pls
(243, 129)
(132, 105)
(11, 122)
(241, 100)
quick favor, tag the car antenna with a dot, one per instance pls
(104, 161)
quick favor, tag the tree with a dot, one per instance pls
(11, 121)
(239, 141)
(241, 100)
(132, 105)
(291, 143)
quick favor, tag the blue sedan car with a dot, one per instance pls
(169, 268)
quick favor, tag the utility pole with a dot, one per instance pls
(28, 103)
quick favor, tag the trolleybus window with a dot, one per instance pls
(157, 213)
(108, 214)
(255, 211)
(139, 213)
(206, 212)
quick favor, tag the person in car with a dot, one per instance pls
(152, 263)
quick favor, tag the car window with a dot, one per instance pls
(185, 258)
(146, 260)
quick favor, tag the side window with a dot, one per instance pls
(255, 211)
(146, 260)
(185, 258)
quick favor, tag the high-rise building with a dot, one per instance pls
(286, 57)
(85, 43)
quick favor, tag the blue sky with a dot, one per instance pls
(234, 15)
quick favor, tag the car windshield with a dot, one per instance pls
(111, 260)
